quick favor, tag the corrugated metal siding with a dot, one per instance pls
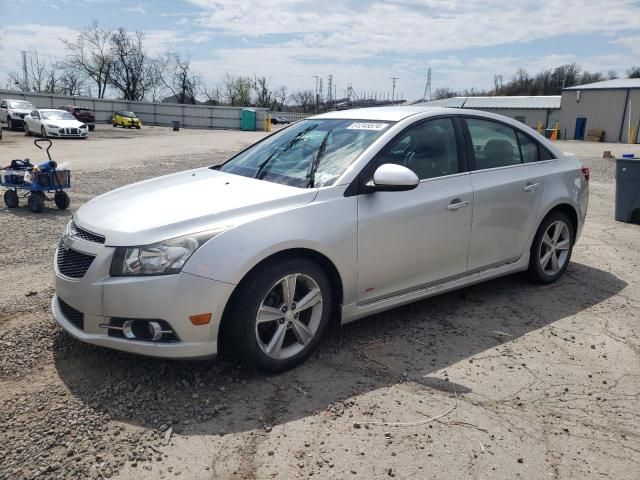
(190, 116)
(531, 116)
(602, 109)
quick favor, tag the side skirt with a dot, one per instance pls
(353, 311)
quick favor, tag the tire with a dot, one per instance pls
(549, 244)
(114, 124)
(11, 199)
(62, 200)
(27, 132)
(9, 124)
(43, 132)
(249, 340)
(137, 127)
(92, 128)
(36, 202)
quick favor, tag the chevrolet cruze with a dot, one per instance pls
(333, 218)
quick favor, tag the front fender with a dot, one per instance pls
(327, 226)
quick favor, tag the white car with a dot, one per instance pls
(12, 112)
(54, 123)
(333, 218)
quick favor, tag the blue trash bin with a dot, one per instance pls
(628, 190)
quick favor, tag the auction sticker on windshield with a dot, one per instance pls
(367, 126)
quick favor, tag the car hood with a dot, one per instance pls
(63, 123)
(22, 111)
(184, 203)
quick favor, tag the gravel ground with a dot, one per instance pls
(499, 380)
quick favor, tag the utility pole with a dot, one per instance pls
(393, 94)
(330, 89)
(24, 71)
(317, 98)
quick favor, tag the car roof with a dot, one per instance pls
(51, 110)
(390, 114)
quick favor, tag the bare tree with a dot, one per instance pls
(305, 99)
(90, 55)
(213, 95)
(633, 72)
(179, 78)
(41, 74)
(238, 90)
(130, 68)
(443, 92)
(264, 95)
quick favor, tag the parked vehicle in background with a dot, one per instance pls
(336, 217)
(55, 124)
(82, 114)
(12, 112)
(276, 120)
(125, 119)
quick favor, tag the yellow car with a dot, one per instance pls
(125, 119)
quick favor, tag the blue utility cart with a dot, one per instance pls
(36, 181)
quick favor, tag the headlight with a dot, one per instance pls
(49, 125)
(163, 258)
(83, 126)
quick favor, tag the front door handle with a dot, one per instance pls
(457, 204)
(531, 187)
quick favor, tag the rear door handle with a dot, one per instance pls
(457, 204)
(531, 187)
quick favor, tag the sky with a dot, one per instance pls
(362, 43)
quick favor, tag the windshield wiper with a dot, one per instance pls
(316, 160)
(277, 151)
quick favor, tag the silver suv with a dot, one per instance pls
(12, 112)
(333, 218)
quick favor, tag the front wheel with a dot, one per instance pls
(9, 123)
(62, 200)
(11, 199)
(36, 202)
(27, 132)
(43, 132)
(279, 314)
(551, 249)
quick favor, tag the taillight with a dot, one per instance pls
(586, 173)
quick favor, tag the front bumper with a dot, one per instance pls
(171, 298)
(67, 132)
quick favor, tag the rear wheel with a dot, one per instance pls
(551, 249)
(279, 314)
(11, 199)
(36, 202)
(62, 200)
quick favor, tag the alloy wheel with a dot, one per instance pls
(289, 316)
(554, 248)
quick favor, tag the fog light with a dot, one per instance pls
(201, 319)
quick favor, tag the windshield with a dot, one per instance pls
(21, 104)
(128, 114)
(310, 153)
(56, 115)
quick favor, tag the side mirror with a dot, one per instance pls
(391, 177)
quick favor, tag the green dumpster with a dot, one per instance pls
(248, 119)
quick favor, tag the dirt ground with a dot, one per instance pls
(500, 380)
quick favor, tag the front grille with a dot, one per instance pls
(73, 264)
(72, 131)
(76, 231)
(73, 315)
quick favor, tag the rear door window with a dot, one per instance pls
(494, 144)
(528, 147)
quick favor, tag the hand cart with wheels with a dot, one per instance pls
(36, 181)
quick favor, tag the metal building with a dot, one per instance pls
(531, 110)
(612, 106)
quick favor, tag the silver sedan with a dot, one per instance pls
(331, 219)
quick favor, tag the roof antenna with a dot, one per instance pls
(465, 101)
